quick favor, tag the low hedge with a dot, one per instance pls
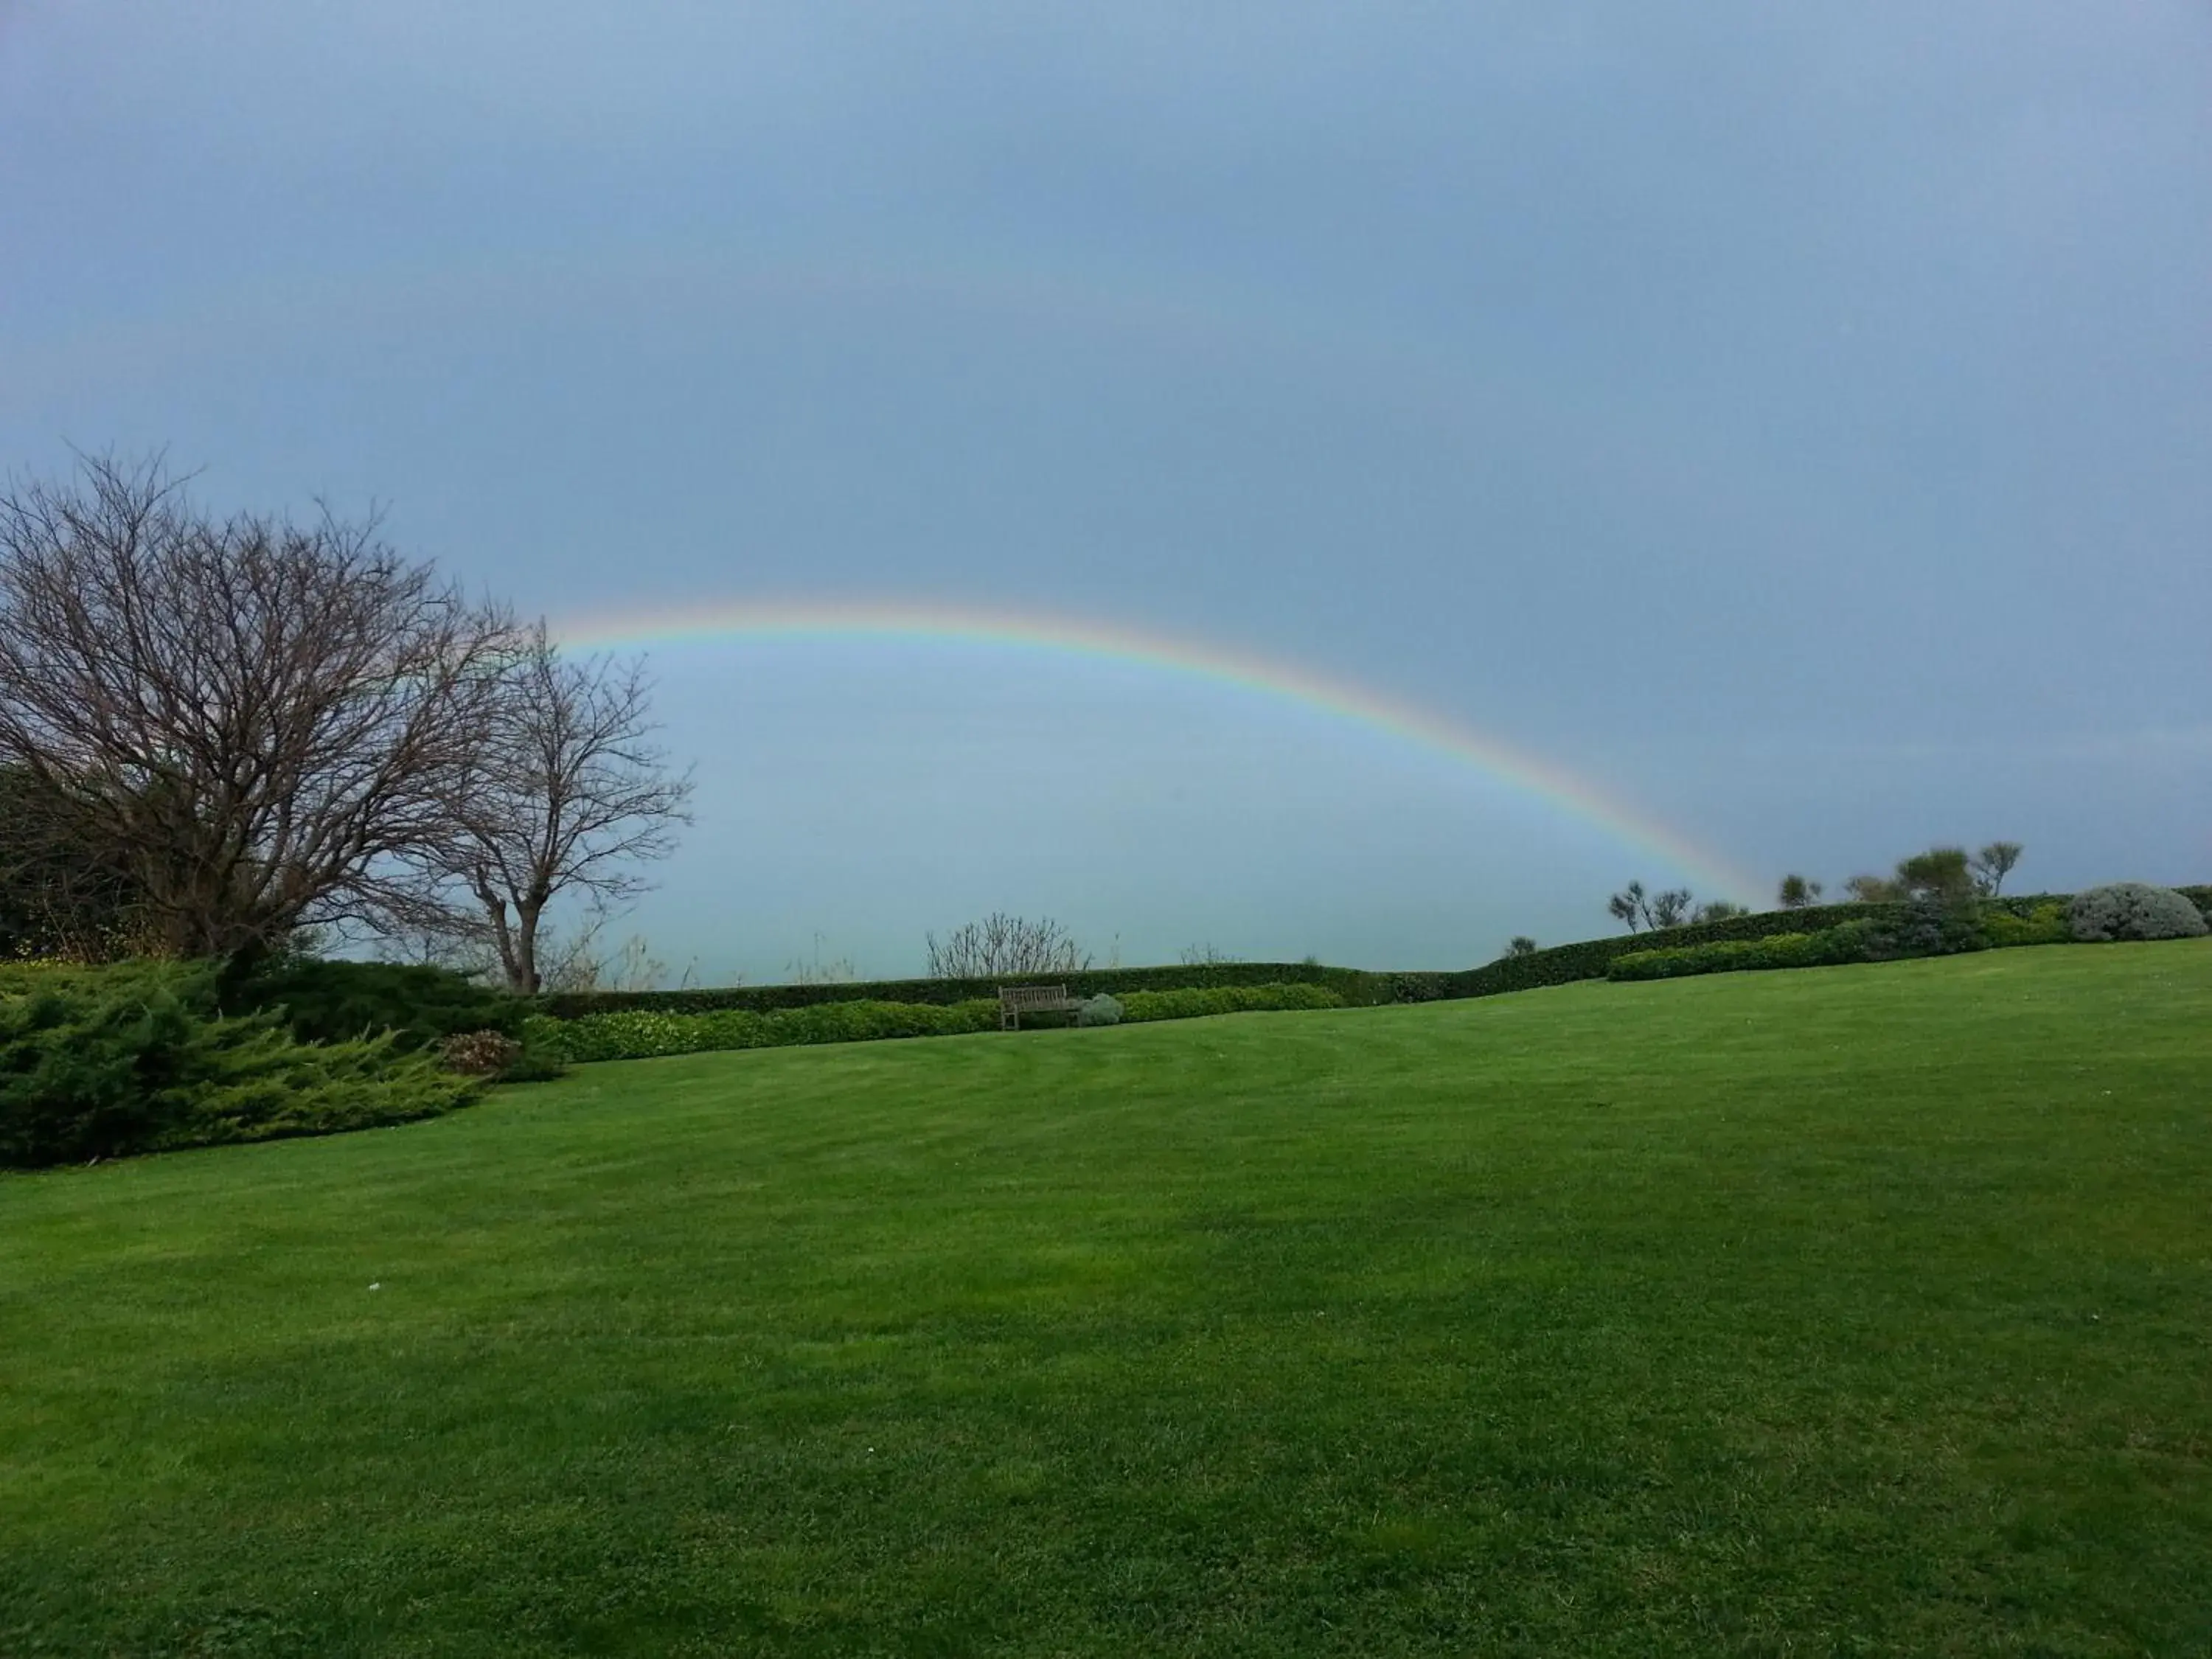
(1196, 1001)
(1354, 986)
(646, 1033)
(1563, 964)
(1566, 964)
(1852, 941)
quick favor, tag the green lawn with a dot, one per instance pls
(1854, 1310)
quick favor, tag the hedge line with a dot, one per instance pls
(645, 1033)
(1356, 988)
(1563, 964)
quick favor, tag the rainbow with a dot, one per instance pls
(1204, 660)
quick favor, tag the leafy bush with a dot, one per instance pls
(641, 1034)
(1196, 1002)
(332, 1001)
(135, 1057)
(1101, 1010)
(1851, 941)
(1933, 925)
(2134, 909)
(2045, 924)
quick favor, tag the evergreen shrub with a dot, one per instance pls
(1101, 1010)
(2134, 910)
(135, 1057)
(333, 1001)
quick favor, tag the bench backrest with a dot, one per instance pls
(1033, 996)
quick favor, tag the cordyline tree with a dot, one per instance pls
(259, 725)
(565, 796)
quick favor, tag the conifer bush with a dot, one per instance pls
(100, 1062)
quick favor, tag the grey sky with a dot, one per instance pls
(1798, 420)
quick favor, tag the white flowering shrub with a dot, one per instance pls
(2133, 909)
(1101, 1010)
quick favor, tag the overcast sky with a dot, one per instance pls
(1797, 420)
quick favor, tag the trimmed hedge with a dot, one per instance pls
(1851, 942)
(1355, 987)
(1566, 964)
(645, 1033)
(1198, 1001)
(1563, 964)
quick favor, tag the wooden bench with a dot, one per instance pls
(1015, 1000)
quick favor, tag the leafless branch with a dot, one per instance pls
(1002, 945)
(566, 797)
(264, 722)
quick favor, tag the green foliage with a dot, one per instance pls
(332, 1001)
(98, 1062)
(2044, 924)
(1101, 1010)
(1941, 875)
(2134, 909)
(1565, 964)
(641, 1034)
(1195, 1002)
(1356, 988)
(1850, 941)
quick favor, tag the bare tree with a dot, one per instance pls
(819, 970)
(1994, 863)
(259, 723)
(1001, 944)
(1668, 909)
(1205, 956)
(566, 797)
(1520, 946)
(1719, 910)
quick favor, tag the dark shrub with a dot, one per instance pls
(100, 1062)
(333, 1001)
